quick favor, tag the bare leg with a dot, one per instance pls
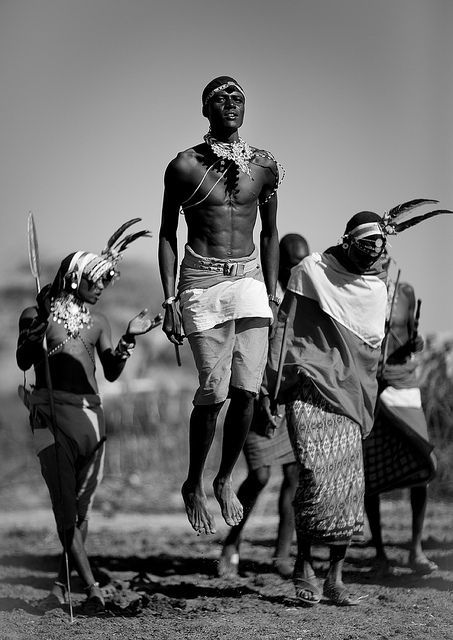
(235, 430)
(417, 559)
(78, 559)
(202, 430)
(373, 512)
(335, 573)
(60, 586)
(334, 587)
(247, 494)
(286, 520)
(304, 578)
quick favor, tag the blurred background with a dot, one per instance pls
(353, 97)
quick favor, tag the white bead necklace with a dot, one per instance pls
(66, 309)
(238, 151)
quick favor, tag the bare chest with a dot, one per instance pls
(223, 185)
(80, 347)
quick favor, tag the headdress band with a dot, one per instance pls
(222, 87)
(365, 230)
(95, 266)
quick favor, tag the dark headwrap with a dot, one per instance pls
(218, 84)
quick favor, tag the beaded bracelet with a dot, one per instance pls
(168, 301)
(124, 348)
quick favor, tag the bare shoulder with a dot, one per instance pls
(264, 158)
(186, 160)
(29, 313)
(407, 289)
(100, 321)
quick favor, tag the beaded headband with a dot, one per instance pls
(366, 229)
(222, 87)
(391, 222)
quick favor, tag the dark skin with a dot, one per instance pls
(293, 249)
(401, 334)
(72, 369)
(219, 227)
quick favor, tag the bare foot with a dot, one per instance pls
(382, 568)
(230, 506)
(58, 591)
(421, 564)
(95, 602)
(228, 563)
(197, 509)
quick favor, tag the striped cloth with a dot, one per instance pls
(261, 451)
(397, 453)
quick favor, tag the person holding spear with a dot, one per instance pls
(398, 453)
(59, 338)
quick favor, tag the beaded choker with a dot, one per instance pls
(238, 151)
(73, 314)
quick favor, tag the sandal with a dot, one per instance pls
(339, 595)
(311, 585)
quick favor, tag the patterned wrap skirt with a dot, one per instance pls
(328, 504)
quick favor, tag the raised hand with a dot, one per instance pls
(142, 323)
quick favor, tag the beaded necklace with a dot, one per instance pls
(66, 309)
(238, 151)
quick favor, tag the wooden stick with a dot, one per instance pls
(33, 254)
(178, 355)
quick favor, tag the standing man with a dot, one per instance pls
(398, 453)
(226, 300)
(67, 420)
(266, 446)
(335, 303)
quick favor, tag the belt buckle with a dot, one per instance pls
(233, 269)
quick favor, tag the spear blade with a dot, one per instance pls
(33, 249)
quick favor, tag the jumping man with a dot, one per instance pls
(226, 300)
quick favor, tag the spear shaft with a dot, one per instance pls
(33, 255)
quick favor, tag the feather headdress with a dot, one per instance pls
(392, 220)
(96, 266)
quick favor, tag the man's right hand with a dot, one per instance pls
(43, 301)
(172, 324)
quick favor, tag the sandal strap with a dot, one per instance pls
(91, 586)
(60, 584)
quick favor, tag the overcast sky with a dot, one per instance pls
(353, 97)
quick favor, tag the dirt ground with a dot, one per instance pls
(161, 582)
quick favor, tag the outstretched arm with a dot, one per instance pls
(114, 360)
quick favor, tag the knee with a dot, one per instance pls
(66, 536)
(260, 477)
(242, 395)
(291, 475)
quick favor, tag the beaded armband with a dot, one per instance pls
(124, 349)
(274, 299)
